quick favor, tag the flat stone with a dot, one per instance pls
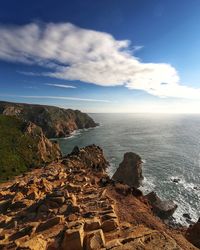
(92, 225)
(49, 223)
(109, 225)
(21, 233)
(108, 216)
(73, 188)
(36, 243)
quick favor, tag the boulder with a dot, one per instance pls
(73, 239)
(94, 240)
(193, 234)
(130, 170)
(162, 208)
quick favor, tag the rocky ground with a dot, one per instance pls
(71, 204)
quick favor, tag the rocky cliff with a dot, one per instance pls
(72, 204)
(23, 146)
(54, 121)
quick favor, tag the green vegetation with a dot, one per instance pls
(17, 149)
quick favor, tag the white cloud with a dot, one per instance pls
(73, 53)
(56, 97)
(61, 85)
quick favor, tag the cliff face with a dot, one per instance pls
(23, 145)
(71, 204)
(54, 121)
(46, 150)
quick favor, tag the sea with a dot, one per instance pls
(169, 145)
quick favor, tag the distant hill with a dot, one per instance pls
(23, 146)
(54, 121)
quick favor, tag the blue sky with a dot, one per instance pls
(102, 56)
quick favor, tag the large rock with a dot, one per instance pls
(163, 209)
(130, 170)
(73, 239)
(193, 234)
(94, 240)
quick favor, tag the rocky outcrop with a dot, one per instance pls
(193, 234)
(65, 206)
(23, 146)
(130, 170)
(162, 208)
(54, 121)
(46, 150)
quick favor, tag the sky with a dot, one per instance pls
(102, 56)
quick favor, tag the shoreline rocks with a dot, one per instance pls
(162, 208)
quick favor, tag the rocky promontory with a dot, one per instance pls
(72, 204)
(54, 121)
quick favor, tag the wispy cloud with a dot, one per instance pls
(56, 97)
(73, 53)
(61, 85)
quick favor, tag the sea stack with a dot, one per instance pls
(130, 170)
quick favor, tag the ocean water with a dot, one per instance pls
(168, 144)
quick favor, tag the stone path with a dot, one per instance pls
(64, 206)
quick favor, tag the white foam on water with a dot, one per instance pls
(112, 167)
(148, 184)
(73, 134)
(185, 207)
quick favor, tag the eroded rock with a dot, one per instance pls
(130, 170)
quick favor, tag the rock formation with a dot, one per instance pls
(54, 121)
(46, 150)
(193, 234)
(64, 206)
(130, 170)
(23, 146)
(164, 209)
